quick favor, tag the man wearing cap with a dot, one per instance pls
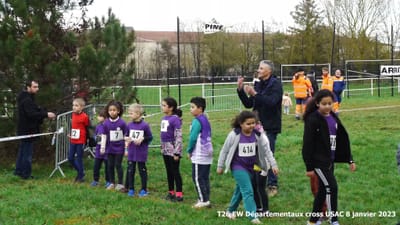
(266, 100)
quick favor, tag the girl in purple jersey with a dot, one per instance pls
(116, 129)
(171, 147)
(243, 148)
(325, 141)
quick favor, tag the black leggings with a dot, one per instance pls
(130, 175)
(327, 190)
(173, 173)
(115, 161)
(260, 196)
(97, 167)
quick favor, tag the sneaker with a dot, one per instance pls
(107, 184)
(131, 193)
(230, 215)
(200, 204)
(178, 199)
(335, 223)
(310, 223)
(110, 187)
(319, 222)
(255, 221)
(80, 180)
(170, 197)
(143, 193)
(272, 191)
(119, 187)
(124, 190)
(94, 183)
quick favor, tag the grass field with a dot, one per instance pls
(374, 128)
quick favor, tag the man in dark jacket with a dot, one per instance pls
(30, 116)
(266, 99)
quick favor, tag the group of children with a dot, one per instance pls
(246, 152)
(116, 139)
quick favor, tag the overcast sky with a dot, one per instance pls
(161, 14)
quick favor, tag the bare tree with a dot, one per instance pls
(356, 17)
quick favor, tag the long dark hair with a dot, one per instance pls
(241, 117)
(171, 102)
(312, 104)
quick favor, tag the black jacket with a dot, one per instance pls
(30, 115)
(267, 102)
(316, 143)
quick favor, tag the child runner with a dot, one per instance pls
(136, 148)
(243, 148)
(115, 129)
(200, 151)
(100, 156)
(325, 141)
(79, 125)
(171, 147)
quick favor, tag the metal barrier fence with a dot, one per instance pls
(64, 120)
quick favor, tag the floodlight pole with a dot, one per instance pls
(333, 45)
(263, 40)
(179, 61)
(392, 55)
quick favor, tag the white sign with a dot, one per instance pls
(210, 28)
(390, 70)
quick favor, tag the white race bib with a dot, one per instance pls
(116, 135)
(164, 125)
(333, 142)
(136, 134)
(247, 149)
(75, 133)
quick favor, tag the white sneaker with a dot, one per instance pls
(335, 223)
(119, 187)
(200, 204)
(230, 215)
(110, 187)
(255, 221)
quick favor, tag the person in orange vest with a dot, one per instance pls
(327, 83)
(302, 86)
(339, 85)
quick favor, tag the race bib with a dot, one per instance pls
(98, 139)
(75, 133)
(247, 149)
(164, 125)
(136, 134)
(116, 135)
(333, 142)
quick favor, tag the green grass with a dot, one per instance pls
(374, 187)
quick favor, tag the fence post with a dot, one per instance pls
(159, 94)
(372, 86)
(203, 94)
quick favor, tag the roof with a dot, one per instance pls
(159, 36)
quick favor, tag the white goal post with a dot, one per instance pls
(315, 67)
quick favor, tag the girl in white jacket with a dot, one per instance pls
(243, 148)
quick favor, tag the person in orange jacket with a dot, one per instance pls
(302, 87)
(327, 83)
